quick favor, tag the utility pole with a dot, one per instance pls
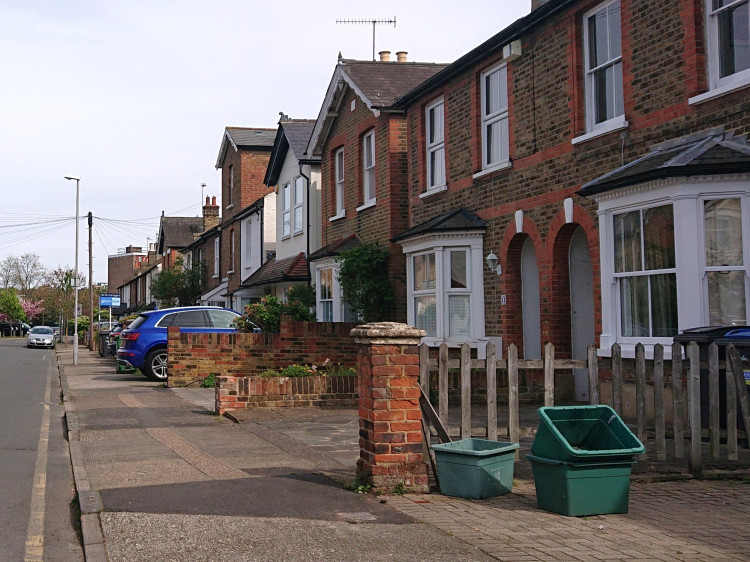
(91, 287)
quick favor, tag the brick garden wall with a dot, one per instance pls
(193, 357)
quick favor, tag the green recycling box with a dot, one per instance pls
(581, 488)
(475, 468)
(584, 434)
(581, 458)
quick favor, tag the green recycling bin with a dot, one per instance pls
(475, 468)
(581, 459)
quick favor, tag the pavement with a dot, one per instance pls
(161, 477)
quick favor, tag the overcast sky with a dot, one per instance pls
(134, 96)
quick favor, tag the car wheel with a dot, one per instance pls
(155, 366)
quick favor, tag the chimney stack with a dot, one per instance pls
(210, 214)
(401, 56)
(385, 56)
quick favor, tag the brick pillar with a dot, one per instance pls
(390, 420)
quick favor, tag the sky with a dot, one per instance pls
(134, 96)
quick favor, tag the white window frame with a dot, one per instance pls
(230, 204)
(435, 147)
(286, 210)
(340, 309)
(368, 170)
(687, 196)
(298, 213)
(617, 121)
(492, 118)
(716, 81)
(442, 245)
(231, 251)
(217, 247)
(338, 179)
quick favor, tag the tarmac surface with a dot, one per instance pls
(160, 477)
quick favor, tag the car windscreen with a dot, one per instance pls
(41, 330)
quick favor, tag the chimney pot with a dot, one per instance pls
(213, 200)
(401, 56)
(385, 56)
(208, 199)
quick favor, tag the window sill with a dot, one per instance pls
(298, 232)
(337, 216)
(609, 127)
(286, 237)
(230, 206)
(495, 168)
(718, 92)
(434, 191)
(215, 276)
(230, 271)
(366, 205)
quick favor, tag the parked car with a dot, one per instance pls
(56, 330)
(41, 336)
(143, 344)
(112, 340)
(8, 329)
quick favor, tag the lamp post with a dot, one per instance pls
(75, 279)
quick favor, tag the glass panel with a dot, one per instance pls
(286, 228)
(627, 235)
(436, 124)
(658, 237)
(598, 48)
(723, 224)
(634, 306)
(424, 272)
(599, 93)
(339, 165)
(286, 197)
(502, 84)
(492, 86)
(326, 284)
(368, 151)
(614, 30)
(326, 311)
(425, 314)
(222, 318)
(497, 141)
(298, 218)
(459, 316)
(664, 305)
(734, 39)
(726, 298)
(299, 189)
(191, 319)
(437, 167)
(458, 270)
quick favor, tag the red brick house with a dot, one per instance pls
(360, 139)
(590, 147)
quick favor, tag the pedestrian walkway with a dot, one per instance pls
(175, 482)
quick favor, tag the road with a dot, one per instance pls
(38, 512)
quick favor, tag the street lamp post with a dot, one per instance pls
(75, 279)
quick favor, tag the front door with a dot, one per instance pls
(532, 335)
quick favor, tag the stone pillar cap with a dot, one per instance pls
(388, 331)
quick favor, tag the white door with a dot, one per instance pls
(532, 335)
(581, 308)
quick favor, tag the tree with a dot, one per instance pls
(32, 308)
(365, 282)
(10, 305)
(7, 271)
(29, 272)
(178, 285)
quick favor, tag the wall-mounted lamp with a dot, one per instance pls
(493, 263)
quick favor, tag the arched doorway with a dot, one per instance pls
(532, 335)
(581, 307)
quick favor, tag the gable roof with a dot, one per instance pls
(293, 268)
(378, 84)
(457, 220)
(291, 135)
(708, 152)
(245, 137)
(178, 232)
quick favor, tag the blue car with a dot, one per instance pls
(143, 344)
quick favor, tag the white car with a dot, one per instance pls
(41, 336)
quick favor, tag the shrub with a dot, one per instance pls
(267, 313)
(365, 281)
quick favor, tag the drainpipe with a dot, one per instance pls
(307, 230)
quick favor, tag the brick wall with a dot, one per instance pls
(194, 356)
(663, 65)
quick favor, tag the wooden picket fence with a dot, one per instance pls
(685, 386)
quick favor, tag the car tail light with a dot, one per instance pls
(132, 336)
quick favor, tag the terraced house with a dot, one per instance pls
(598, 150)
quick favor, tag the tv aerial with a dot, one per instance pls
(374, 22)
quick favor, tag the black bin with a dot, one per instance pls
(704, 336)
(103, 336)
